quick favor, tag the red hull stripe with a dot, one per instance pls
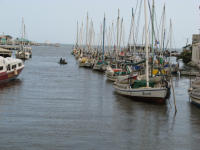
(9, 76)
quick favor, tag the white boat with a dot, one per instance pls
(144, 89)
(114, 74)
(195, 96)
(100, 66)
(25, 50)
(145, 93)
(10, 68)
(24, 54)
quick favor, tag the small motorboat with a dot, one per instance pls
(62, 61)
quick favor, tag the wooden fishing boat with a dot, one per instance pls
(113, 74)
(25, 50)
(100, 66)
(23, 54)
(145, 89)
(85, 62)
(155, 94)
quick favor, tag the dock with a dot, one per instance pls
(5, 52)
(189, 73)
(10, 47)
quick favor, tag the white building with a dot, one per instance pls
(196, 53)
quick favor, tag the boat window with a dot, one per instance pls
(1, 68)
(14, 66)
(20, 64)
(8, 68)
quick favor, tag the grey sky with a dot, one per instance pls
(55, 20)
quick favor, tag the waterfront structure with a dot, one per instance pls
(5, 52)
(196, 54)
(5, 39)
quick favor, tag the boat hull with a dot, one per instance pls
(195, 100)
(6, 77)
(144, 94)
(100, 68)
(24, 57)
(111, 78)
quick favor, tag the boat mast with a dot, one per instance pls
(146, 43)
(104, 24)
(81, 39)
(170, 42)
(152, 47)
(23, 34)
(109, 38)
(113, 38)
(86, 41)
(90, 36)
(118, 20)
(121, 32)
(77, 35)
(132, 21)
(163, 30)
(170, 36)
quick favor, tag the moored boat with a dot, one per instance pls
(24, 54)
(100, 66)
(25, 51)
(10, 68)
(155, 94)
(195, 96)
(145, 89)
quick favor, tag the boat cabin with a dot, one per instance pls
(10, 64)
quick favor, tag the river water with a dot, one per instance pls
(54, 107)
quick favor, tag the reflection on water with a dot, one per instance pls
(17, 82)
(66, 107)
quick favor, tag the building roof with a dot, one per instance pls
(22, 40)
(5, 36)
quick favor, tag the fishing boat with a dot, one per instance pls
(145, 89)
(113, 73)
(101, 64)
(10, 68)
(23, 54)
(25, 51)
(85, 62)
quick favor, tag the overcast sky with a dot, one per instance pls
(55, 20)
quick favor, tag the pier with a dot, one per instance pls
(10, 47)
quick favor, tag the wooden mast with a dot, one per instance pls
(104, 24)
(146, 43)
(77, 35)
(152, 46)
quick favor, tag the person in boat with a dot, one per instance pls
(61, 60)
